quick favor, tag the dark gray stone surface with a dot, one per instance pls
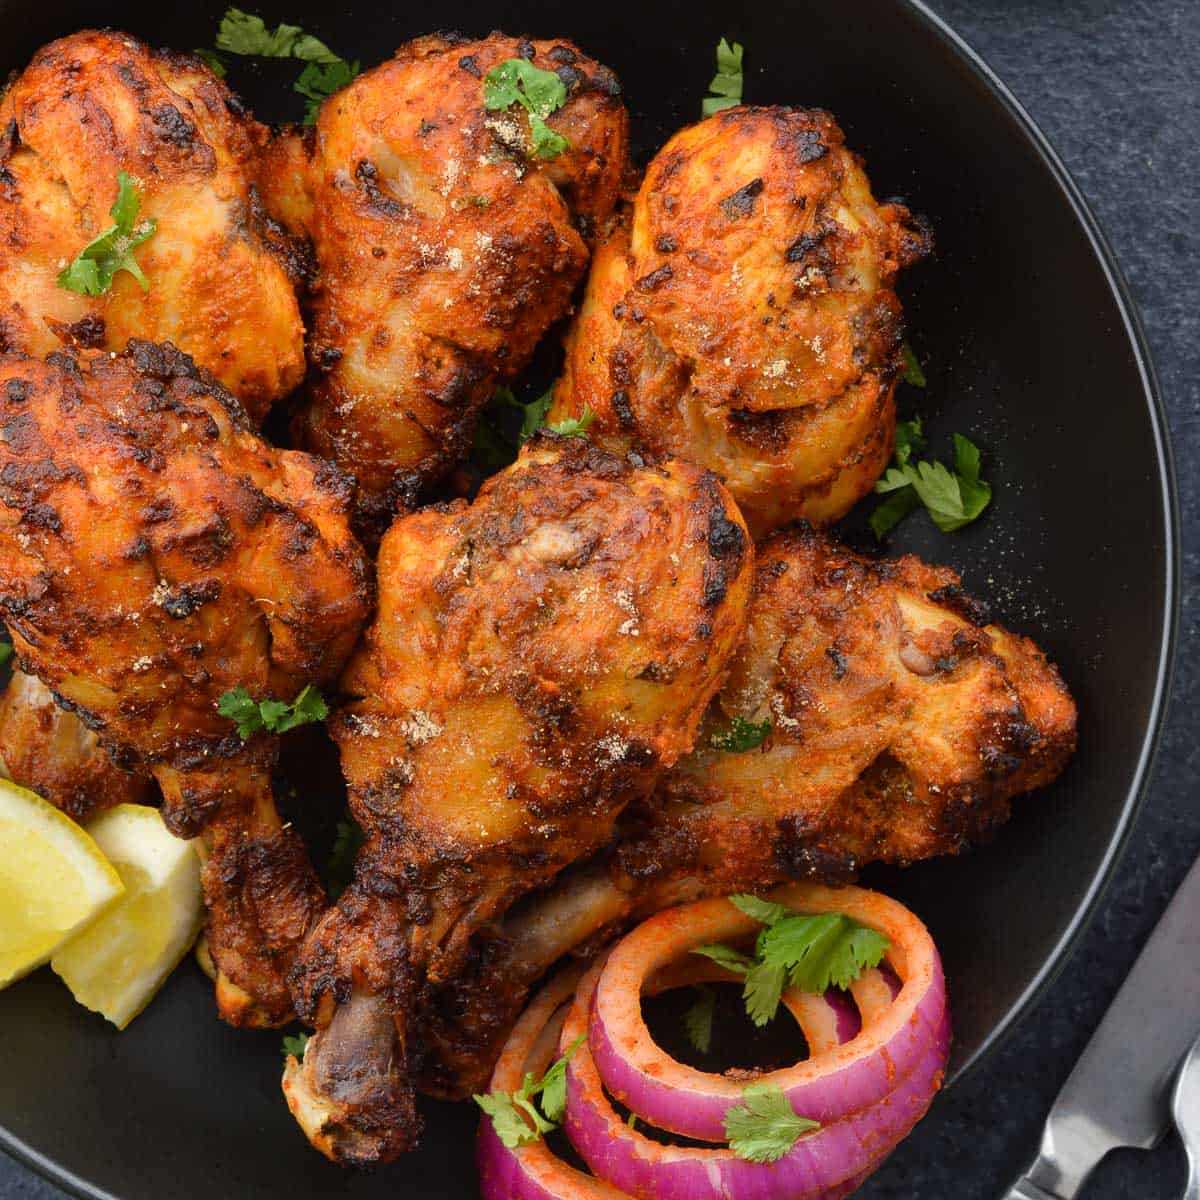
(1115, 84)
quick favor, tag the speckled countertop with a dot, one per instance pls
(1115, 84)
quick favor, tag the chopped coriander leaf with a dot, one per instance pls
(276, 716)
(726, 86)
(767, 912)
(243, 33)
(910, 437)
(573, 426)
(727, 957)
(762, 990)
(6, 652)
(93, 268)
(535, 415)
(554, 1083)
(506, 1110)
(911, 371)
(538, 92)
(952, 498)
(632, 1120)
(740, 736)
(764, 1127)
(347, 842)
(318, 81)
(295, 1046)
(809, 952)
(893, 510)
(822, 951)
(495, 441)
(216, 64)
(698, 1020)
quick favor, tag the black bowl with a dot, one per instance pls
(1031, 346)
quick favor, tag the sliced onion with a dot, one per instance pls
(826, 1164)
(902, 1039)
(533, 1171)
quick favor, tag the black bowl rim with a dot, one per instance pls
(1156, 411)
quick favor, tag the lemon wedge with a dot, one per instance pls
(120, 960)
(54, 880)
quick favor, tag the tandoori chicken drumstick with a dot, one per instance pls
(537, 658)
(156, 554)
(218, 273)
(448, 239)
(871, 714)
(743, 315)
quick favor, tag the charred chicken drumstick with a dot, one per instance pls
(446, 246)
(217, 269)
(537, 657)
(743, 318)
(895, 724)
(154, 555)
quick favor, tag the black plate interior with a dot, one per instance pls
(1029, 347)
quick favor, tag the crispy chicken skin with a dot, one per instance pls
(902, 725)
(743, 316)
(52, 752)
(538, 657)
(445, 249)
(154, 554)
(97, 103)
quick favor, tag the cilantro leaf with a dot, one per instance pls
(822, 951)
(573, 426)
(495, 440)
(535, 415)
(764, 1127)
(92, 270)
(762, 990)
(952, 498)
(893, 510)
(506, 1109)
(347, 842)
(6, 652)
(538, 92)
(910, 437)
(727, 957)
(726, 86)
(510, 1126)
(553, 1086)
(911, 371)
(809, 952)
(318, 81)
(740, 736)
(243, 33)
(251, 715)
(757, 909)
(215, 63)
(698, 1020)
(295, 1045)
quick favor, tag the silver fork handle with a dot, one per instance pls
(1192, 1191)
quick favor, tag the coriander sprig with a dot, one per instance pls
(506, 1109)
(276, 716)
(764, 1127)
(247, 36)
(347, 842)
(953, 498)
(92, 270)
(295, 1046)
(809, 952)
(726, 86)
(740, 735)
(698, 1020)
(538, 92)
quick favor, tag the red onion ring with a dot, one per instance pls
(826, 1164)
(533, 1171)
(909, 1033)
